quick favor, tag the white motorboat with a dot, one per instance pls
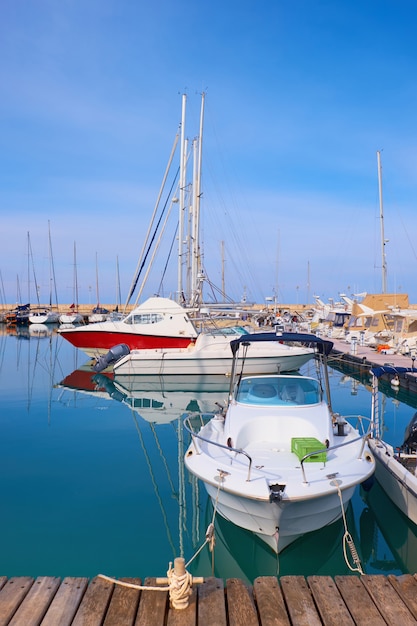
(210, 354)
(156, 323)
(396, 468)
(278, 461)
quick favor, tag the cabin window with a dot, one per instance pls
(144, 318)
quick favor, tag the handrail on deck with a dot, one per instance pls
(194, 435)
(190, 430)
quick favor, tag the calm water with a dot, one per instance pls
(92, 480)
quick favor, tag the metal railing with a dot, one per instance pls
(194, 435)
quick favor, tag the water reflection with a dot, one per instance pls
(96, 465)
(239, 553)
(156, 399)
(388, 538)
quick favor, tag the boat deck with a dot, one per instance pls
(370, 600)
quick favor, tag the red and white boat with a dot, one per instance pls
(156, 323)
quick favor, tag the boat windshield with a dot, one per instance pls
(236, 331)
(283, 390)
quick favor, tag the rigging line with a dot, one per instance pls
(147, 459)
(168, 167)
(155, 251)
(145, 257)
(33, 270)
(164, 271)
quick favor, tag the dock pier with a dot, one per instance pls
(368, 600)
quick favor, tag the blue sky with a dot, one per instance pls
(300, 96)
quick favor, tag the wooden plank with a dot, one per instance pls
(333, 611)
(358, 601)
(36, 602)
(11, 596)
(299, 600)
(94, 604)
(240, 606)
(211, 606)
(389, 603)
(184, 617)
(153, 606)
(270, 603)
(406, 587)
(66, 602)
(3, 581)
(123, 604)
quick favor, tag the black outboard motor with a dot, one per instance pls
(410, 436)
(113, 355)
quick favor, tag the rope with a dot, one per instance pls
(347, 538)
(210, 538)
(179, 580)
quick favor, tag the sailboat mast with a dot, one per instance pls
(51, 269)
(196, 260)
(75, 279)
(381, 218)
(97, 291)
(182, 201)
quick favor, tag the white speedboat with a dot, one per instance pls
(396, 468)
(156, 323)
(278, 461)
(210, 354)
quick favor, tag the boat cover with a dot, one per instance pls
(323, 345)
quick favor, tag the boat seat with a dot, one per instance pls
(263, 391)
(293, 393)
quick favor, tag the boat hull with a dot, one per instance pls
(169, 364)
(100, 341)
(398, 482)
(280, 524)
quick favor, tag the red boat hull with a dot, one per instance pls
(99, 341)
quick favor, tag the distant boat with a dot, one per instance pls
(73, 316)
(46, 315)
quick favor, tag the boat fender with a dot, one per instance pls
(113, 355)
(410, 435)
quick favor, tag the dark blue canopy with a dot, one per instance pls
(390, 369)
(323, 345)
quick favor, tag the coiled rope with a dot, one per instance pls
(347, 538)
(179, 585)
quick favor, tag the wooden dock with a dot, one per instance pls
(370, 600)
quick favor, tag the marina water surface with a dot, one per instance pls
(93, 480)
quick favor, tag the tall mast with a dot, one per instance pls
(196, 261)
(182, 201)
(381, 218)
